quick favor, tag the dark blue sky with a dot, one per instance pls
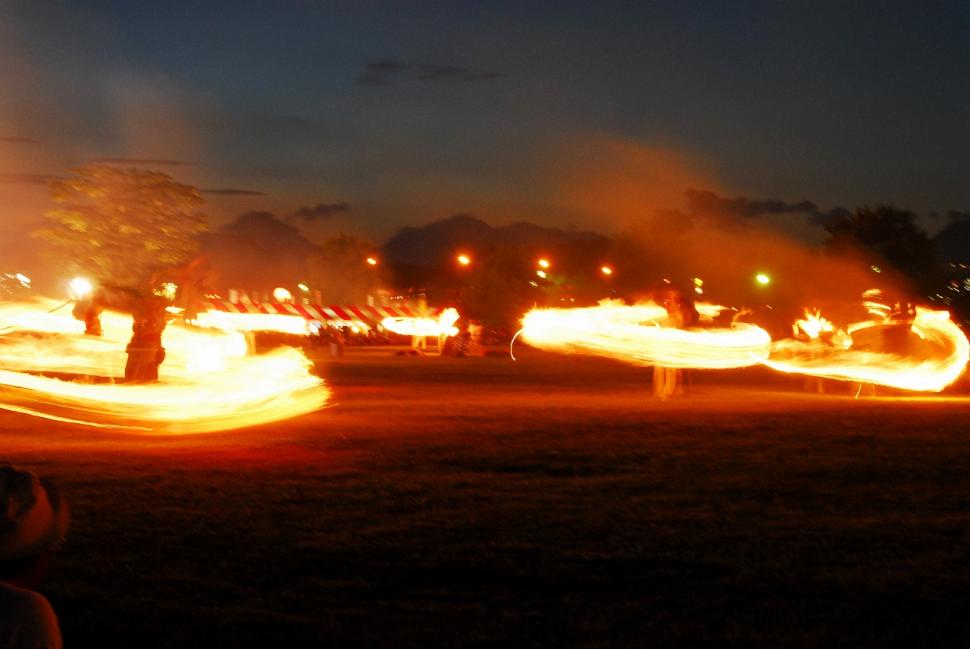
(410, 111)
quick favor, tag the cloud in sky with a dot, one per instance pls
(383, 72)
(701, 202)
(707, 201)
(320, 211)
(232, 191)
(153, 162)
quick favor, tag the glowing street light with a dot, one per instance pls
(763, 279)
(543, 263)
(303, 287)
(463, 260)
(371, 261)
(606, 270)
(79, 288)
(541, 273)
(280, 294)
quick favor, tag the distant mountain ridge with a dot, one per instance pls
(257, 251)
(437, 242)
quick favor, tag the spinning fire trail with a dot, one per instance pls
(936, 354)
(934, 351)
(208, 381)
(636, 334)
(442, 326)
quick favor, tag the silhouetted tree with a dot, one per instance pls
(340, 270)
(121, 226)
(886, 237)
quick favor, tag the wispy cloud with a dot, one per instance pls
(231, 191)
(151, 162)
(386, 71)
(700, 202)
(320, 211)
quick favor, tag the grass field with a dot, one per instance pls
(550, 501)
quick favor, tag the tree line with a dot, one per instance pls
(133, 227)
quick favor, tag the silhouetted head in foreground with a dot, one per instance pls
(33, 523)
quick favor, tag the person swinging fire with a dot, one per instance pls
(149, 315)
(681, 313)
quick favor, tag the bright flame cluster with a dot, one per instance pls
(940, 354)
(278, 322)
(442, 326)
(637, 334)
(208, 381)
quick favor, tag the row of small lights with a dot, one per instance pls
(543, 264)
(762, 279)
(80, 287)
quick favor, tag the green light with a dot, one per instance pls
(763, 279)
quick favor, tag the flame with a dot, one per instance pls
(80, 287)
(934, 358)
(942, 354)
(443, 325)
(225, 321)
(207, 382)
(708, 311)
(635, 334)
(813, 325)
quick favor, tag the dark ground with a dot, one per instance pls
(444, 502)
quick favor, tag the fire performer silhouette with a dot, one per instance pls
(193, 281)
(89, 311)
(145, 351)
(681, 313)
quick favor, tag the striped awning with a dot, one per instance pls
(370, 315)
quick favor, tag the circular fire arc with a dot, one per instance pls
(208, 381)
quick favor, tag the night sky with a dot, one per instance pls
(369, 116)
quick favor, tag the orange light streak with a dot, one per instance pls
(443, 325)
(207, 382)
(636, 334)
(940, 360)
(226, 321)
